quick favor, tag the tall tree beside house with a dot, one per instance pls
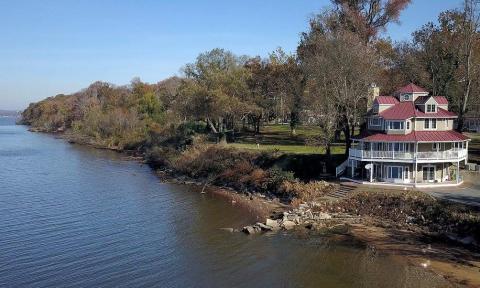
(469, 56)
(367, 18)
(449, 54)
(342, 69)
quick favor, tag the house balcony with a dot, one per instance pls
(399, 156)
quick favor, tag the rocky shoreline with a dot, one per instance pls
(274, 216)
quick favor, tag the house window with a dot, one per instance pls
(406, 97)
(430, 124)
(374, 121)
(431, 108)
(434, 146)
(395, 125)
(408, 125)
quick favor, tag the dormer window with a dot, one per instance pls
(395, 125)
(407, 97)
(431, 108)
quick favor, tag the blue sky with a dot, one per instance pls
(50, 47)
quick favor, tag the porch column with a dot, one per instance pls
(458, 172)
(415, 174)
(353, 166)
(443, 171)
(371, 172)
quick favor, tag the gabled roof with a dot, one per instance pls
(415, 136)
(407, 110)
(441, 100)
(386, 100)
(411, 88)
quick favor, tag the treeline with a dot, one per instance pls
(328, 78)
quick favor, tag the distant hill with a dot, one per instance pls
(9, 113)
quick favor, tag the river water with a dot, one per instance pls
(72, 216)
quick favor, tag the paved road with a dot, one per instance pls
(467, 193)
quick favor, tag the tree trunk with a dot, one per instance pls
(348, 139)
(212, 126)
(329, 151)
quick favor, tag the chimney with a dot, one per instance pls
(373, 92)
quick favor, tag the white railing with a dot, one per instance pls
(341, 168)
(433, 155)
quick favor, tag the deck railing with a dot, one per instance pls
(453, 154)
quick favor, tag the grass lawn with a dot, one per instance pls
(294, 149)
(279, 137)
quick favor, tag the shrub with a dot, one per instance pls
(159, 157)
(211, 160)
(306, 191)
(275, 179)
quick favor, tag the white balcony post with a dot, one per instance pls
(466, 152)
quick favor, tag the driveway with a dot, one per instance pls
(467, 193)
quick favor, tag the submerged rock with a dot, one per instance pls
(250, 230)
(227, 230)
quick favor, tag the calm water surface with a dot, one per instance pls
(72, 216)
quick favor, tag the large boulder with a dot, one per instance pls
(287, 225)
(272, 223)
(264, 227)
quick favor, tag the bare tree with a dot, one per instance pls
(470, 37)
(342, 68)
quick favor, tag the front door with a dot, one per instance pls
(395, 173)
(428, 173)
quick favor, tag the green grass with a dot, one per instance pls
(291, 149)
(279, 137)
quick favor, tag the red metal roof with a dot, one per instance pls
(401, 111)
(441, 100)
(415, 136)
(406, 110)
(386, 100)
(441, 113)
(411, 88)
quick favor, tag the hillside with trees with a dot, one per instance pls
(221, 97)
